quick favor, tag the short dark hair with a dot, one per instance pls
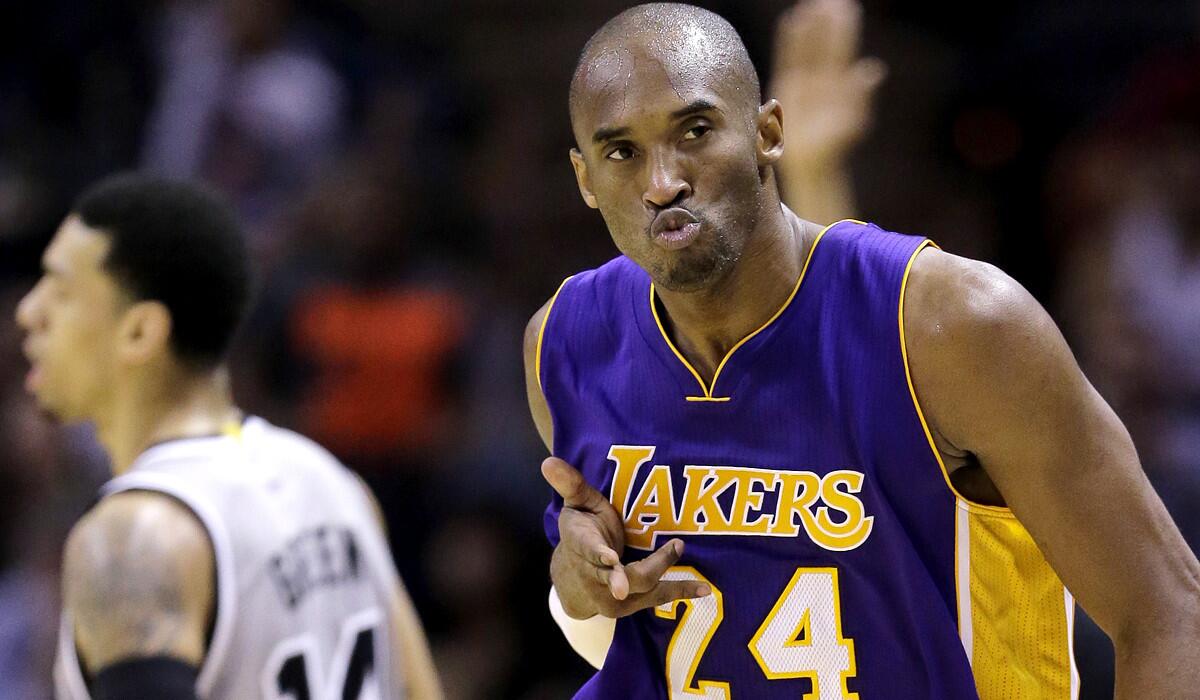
(179, 244)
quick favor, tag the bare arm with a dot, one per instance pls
(533, 387)
(408, 638)
(138, 581)
(1001, 387)
(409, 645)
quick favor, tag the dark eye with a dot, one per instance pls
(696, 132)
(620, 153)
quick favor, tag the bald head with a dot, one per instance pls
(686, 40)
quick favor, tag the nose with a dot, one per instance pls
(27, 310)
(667, 183)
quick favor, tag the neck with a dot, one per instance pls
(706, 324)
(166, 406)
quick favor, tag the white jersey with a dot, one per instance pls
(304, 576)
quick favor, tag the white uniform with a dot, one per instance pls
(304, 575)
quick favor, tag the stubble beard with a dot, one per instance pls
(695, 271)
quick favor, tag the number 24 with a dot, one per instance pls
(800, 638)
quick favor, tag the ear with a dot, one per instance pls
(144, 332)
(582, 179)
(770, 132)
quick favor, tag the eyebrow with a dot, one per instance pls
(609, 133)
(694, 107)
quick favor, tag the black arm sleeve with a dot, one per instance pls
(160, 677)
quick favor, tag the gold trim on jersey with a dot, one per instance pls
(707, 395)
(937, 455)
(537, 353)
(232, 429)
(1015, 617)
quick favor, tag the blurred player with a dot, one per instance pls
(872, 449)
(227, 558)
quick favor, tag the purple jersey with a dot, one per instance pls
(806, 487)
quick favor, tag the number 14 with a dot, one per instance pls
(800, 638)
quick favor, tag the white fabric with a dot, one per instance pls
(303, 571)
(590, 638)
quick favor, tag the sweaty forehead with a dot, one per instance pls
(632, 77)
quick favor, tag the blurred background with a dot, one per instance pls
(401, 168)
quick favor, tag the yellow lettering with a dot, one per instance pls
(704, 485)
(805, 501)
(629, 458)
(797, 491)
(653, 509)
(746, 499)
(855, 528)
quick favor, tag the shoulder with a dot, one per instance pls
(590, 284)
(951, 300)
(133, 520)
(533, 329)
(138, 579)
(981, 351)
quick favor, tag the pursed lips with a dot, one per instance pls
(674, 228)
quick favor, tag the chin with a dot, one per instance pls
(52, 412)
(693, 275)
(49, 414)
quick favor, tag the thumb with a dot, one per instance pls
(576, 492)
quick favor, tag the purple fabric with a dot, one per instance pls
(821, 389)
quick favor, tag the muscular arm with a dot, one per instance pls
(1000, 388)
(533, 389)
(410, 648)
(408, 638)
(138, 581)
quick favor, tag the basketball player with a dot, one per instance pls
(227, 558)
(821, 462)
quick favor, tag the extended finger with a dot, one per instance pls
(576, 492)
(618, 582)
(795, 34)
(844, 24)
(665, 592)
(645, 574)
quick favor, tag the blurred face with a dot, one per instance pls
(70, 319)
(672, 156)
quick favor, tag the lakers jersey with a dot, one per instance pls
(304, 576)
(805, 484)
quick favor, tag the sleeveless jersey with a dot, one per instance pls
(806, 487)
(303, 574)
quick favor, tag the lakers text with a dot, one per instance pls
(723, 500)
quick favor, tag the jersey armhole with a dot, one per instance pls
(220, 629)
(537, 353)
(972, 506)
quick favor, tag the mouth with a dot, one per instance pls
(33, 377)
(674, 228)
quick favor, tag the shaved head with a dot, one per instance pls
(673, 144)
(686, 40)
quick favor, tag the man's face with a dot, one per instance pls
(70, 319)
(670, 157)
